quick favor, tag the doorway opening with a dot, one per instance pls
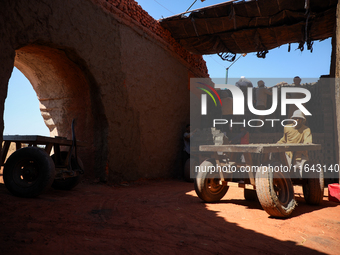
(22, 115)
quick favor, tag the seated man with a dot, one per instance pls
(297, 134)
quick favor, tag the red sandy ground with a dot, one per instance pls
(160, 217)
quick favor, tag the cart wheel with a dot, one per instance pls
(189, 170)
(250, 194)
(313, 188)
(207, 185)
(28, 172)
(275, 192)
(71, 182)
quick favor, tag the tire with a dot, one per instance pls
(250, 195)
(71, 182)
(275, 192)
(28, 172)
(313, 189)
(207, 185)
(189, 170)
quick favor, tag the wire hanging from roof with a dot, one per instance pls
(164, 7)
(193, 4)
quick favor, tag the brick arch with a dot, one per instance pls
(63, 91)
(58, 83)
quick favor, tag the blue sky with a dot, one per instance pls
(22, 115)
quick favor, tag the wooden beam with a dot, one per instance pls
(37, 139)
(260, 148)
(238, 185)
(337, 75)
(4, 151)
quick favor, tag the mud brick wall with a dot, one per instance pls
(111, 66)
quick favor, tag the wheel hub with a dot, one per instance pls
(29, 173)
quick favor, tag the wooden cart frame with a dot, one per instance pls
(31, 169)
(274, 190)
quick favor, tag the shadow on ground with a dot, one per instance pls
(155, 217)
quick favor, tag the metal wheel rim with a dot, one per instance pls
(26, 173)
(281, 189)
(213, 186)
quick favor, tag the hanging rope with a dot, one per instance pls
(307, 40)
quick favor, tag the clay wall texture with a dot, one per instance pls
(113, 68)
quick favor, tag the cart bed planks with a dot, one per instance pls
(260, 148)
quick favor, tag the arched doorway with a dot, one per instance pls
(63, 92)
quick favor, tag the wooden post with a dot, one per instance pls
(333, 54)
(337, 75)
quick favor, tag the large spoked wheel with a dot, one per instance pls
(313, 187)
(28, 172)
(207, 184)
(70, 182)
(275, 192)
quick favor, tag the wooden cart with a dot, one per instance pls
(30, 170)
(270, 179)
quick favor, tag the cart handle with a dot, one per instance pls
(74, 146)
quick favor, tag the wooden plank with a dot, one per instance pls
(37, 139)
(57, 155)
(249, 161)
(238, 185)
(17, 145)
(43, 140)
(260, 148)
(265, 157)
(291, 147)
(48, 148)
(231, 148)
(4, 151)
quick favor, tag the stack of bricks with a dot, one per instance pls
(136, 12)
